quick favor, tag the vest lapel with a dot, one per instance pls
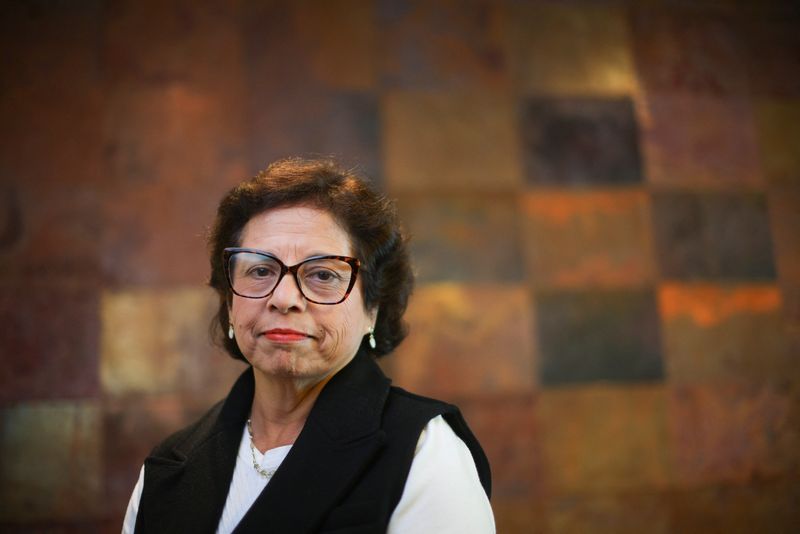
(340, 438)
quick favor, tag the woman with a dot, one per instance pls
(313, 278)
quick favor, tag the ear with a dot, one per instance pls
(373, 315)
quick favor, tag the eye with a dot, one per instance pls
(260, 271)
(323, 275)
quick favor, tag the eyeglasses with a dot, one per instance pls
(254, 274)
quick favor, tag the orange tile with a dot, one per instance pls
(467, 340)
(450, 142)
(588, 239)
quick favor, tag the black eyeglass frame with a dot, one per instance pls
(354, 264)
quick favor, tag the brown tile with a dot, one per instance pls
(467, 340)
(49, 342)
(700, 142)
(766, 506)
(778, 124)
(570, 49)
(51, 466)
(784, 214)
(518, 516)
(464, 237)
(773, 50)
(732, 433)
(507, 429)
(461, 142)
(688, 51)
(718, 333)
(157, 340)
(588, 239)
(602, 438)
(442, 45)
(609, 512)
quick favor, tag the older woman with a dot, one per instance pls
(313, 278)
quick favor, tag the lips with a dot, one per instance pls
(285, 335)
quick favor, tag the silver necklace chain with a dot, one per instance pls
(266, 473)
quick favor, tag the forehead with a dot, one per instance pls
(297, 230)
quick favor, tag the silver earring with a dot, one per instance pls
(230, 331)
(371, 339)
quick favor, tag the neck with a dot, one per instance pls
(280, 408)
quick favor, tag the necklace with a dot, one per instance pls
(266, 473)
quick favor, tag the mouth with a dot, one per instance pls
(285, 335)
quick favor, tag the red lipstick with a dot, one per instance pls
(285, 335)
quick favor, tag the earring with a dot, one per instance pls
(371, 339)
(230, 331)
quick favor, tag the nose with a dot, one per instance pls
(287, 296)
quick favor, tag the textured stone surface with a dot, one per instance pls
(464, 237)
(588, 239)
(49, 342)
(579, 142)
(712, 236)
(689, 51)
(457, 142)
(442, 45)
(779, 139)
(590, 336)
(732, 433)
(51, 467)
(714, 333)
(700, 141)
(155, 341)
(466, 340)
(570, 49)
(602, 438)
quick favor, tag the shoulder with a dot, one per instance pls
(182, 442)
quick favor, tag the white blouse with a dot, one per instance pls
(443, 493)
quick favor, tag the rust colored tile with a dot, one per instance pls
(49, 342)
(758, 506)
(467, 340)
(722, 333)
(464, 238)
(463, 142)
(609, 512)
(600, 439)
(518, 516)
(784, 214)
(779, 140)
(732, 433)
(442, 45)
(588, 239)
(51, 466)
(507, 429)
(157, 340)
(688, 50)
(700, 142)
(570, 49)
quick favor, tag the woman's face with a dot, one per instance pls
(284, 335)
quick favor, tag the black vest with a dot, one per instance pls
(345, 472)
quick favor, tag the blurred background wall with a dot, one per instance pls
(605, 203)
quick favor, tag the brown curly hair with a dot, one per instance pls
(370, 220)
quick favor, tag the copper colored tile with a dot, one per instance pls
(464, 237)
(157, 340)
(732, 433)
(721, 333)
(614, 513)
(51, 466)
(700, 142)
(518, 516)
(453, 142)
(507, 428)
(467, 340)
(688, 51)
(49, 342)
(588, 239)
(779, 140)
(602, 438)
(442, 45)
(570, 49)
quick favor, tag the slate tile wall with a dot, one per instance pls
(604, 199)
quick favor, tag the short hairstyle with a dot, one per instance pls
(370, 220)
